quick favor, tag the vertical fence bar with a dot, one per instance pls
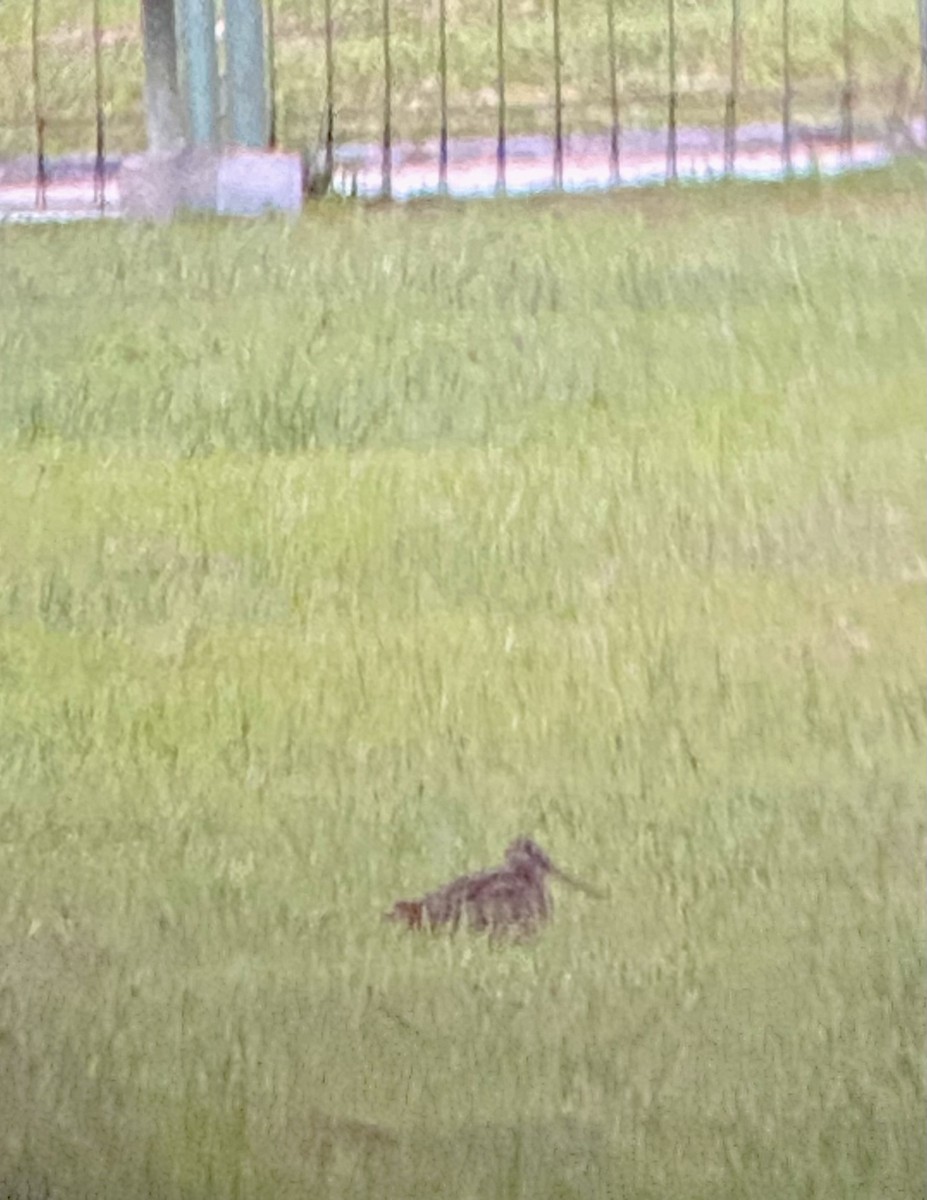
(245, 78)
(671, 135)
(922, 30)
(201, 73)
(922, 20)
(387, 164)
(99, 162)
(615, 138)
(558, 98)
(329, 92)
(786, 89)
(163, 107)
(272, 133)
(500, 92)
(442, 86)
(733, 95)
(41, 180)
(922, 23)
(848, 95)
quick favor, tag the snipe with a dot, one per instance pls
(512, 899)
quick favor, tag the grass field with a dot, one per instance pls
(883, 45)
(332, 556)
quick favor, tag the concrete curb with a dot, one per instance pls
(156, 187)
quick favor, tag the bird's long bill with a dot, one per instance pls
(578, 884)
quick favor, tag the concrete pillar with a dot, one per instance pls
(201, 72)
(163, 111)
(245, 75)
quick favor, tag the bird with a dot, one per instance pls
(511, 899)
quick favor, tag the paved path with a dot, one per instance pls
(72, 190)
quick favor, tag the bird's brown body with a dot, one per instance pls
(511, 899)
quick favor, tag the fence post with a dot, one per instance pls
(922, 16)
(730, 110)
(38, 110)
(615, 139)
(848, 94)
(786, 90)
(245, 88)
(163, 113)
(99, 163)
(558, 98)
(671, 137)
(201, 76)
(272, 131)
(500, 92)
(329, 92)
(442, 85)
(922, 20)
(387, 164)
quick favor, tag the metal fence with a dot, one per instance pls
(609, 106)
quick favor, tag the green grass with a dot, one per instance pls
(883, 46)
(334, 554)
